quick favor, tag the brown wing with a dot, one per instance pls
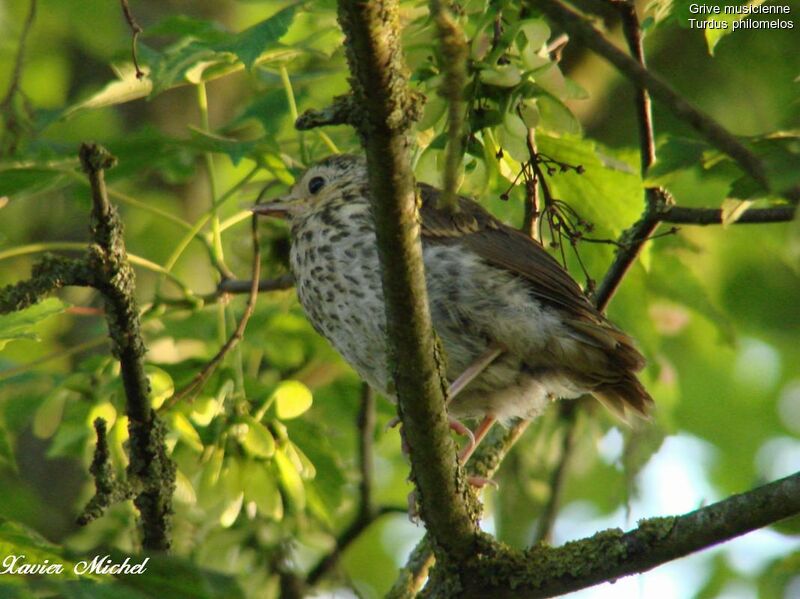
(513, 251)
(506, 248)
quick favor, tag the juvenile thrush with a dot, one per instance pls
(505, 310)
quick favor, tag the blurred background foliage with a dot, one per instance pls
(266, 452)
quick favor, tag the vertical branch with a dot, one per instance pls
(547, 519)
(135, 31)
(484, 464)
(453, 50)
(638, 234)
(366, 433)
(532, 201)
(386, 110)
(13, 127)
(113, 276)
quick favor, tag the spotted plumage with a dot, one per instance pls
(488, 284)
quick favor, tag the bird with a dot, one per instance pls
(516, 329)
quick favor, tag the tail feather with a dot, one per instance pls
(623, 395)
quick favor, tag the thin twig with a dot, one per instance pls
(636, 236)
(547, 519)
(200, 379)
(367, 513)
(343, 541)
(135, 31)
(529, 221)
(713, 216)
(6, 106)
(453, 50)
(244, 286)
(366, 437)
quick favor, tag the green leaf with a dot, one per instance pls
(6, 451)
(504, 75)
(513, 135)
(675, 154)
(169, 68)
(292, 398)
(231, 511)
(48, 415)
(254, 41)
(204, 409)
(125, 88)
(316, 444)
(103, 410)
(669, 277)
(261, 488)
(536, 31)
(16, 179)
(18, 539)
(161, 385)
(234, 148)
(608, 194)
(723, 24)
(185, 26)
(258, 441)
(184, 431)
(556, 117)
(21, 324)
(290, 481)
(268, 108)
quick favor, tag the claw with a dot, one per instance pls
(481, 481)
(476, 438)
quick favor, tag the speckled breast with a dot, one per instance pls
(337, 275)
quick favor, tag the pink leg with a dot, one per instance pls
(478, 435)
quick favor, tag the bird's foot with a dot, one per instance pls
(413, 509)
(460, 428)
(475, 438)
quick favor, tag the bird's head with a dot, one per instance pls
(336, 176)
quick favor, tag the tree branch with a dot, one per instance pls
(453, 55)
(114, 278)
(547, 519)
(609, 555)
(341, 112)
(201, 378)
(484, 464)
(243, 286)
(11, 116)
(386, 110)
(630, 244)
(106, 268)
(713, 216)
(580, 29)
(367, 512)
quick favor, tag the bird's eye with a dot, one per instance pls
(316, 184)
